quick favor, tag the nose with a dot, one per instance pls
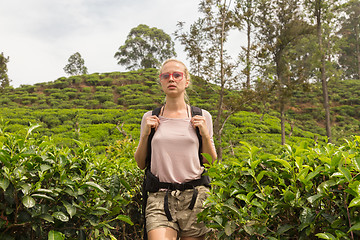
(171, 77)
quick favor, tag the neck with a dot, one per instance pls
(175, 104)
(175, 109)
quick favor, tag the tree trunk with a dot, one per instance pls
(318, 13)
(248, 83)
(282, 121)
(357, 50)
(221, 95)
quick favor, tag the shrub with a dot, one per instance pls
(70, 194)
(71, 95)
(109, 104)
(303, 193)
(92, 80)
(106, 82)
(103, 97)
(4, 101)
(86, 89)
(92, 104)
(75, 80)
(103, 89)
(61, 83)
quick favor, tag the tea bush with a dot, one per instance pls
(307, 192)
(48, 192)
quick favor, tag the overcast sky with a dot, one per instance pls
(39, 36)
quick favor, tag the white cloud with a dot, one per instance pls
(40, 35)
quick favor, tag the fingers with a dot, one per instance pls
(198, 121)
(152, 122)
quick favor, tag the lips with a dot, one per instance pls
(171, 86)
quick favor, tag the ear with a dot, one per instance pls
(187, 83)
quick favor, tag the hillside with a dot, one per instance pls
(101, 108)
(130, 90)
(307, 109)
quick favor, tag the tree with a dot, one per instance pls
(350, 31)
(213, 63)
(323, 14)
(76, 65)
(145, 47)
(4, 78)
(280, 32)
(194, 42)
(245, 11)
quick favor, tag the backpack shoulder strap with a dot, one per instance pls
(156, 112)
(194, 111)
(197, 111)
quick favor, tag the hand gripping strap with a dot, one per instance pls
(197, 111)
(156, 112)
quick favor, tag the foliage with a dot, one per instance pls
(245, 13)
(72, 193)
(303, 193)
(307, 110)
(281, 33)
(349, 56)
(145, 47)
(4, 78)
(211, 61)
(63, 192)
(76, 65)
(140, 91)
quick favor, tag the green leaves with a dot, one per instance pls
(4, 183)
(125, 219)
(60, 216)
(355, 227)
(326, 236)
(145, 47)
(346, 172)
(283, 162)
(355, 202)
(49, 188)
(95, 186)
(28, 201)
(230, 228)
(55, 235)
(71, 210)
(76, 65)
(300, 192)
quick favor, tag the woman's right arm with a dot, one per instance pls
(148, 122)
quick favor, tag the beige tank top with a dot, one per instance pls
(174, 149)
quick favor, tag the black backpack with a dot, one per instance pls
(152, 184)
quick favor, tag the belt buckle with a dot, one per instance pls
(179, 186)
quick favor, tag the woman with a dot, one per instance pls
(175, 158)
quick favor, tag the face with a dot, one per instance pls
(173, 78)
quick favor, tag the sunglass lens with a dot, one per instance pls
(165, 76)
(177, 76)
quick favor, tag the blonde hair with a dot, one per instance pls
(186, 72)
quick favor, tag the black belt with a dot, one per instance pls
(154, 185)
(166, 202)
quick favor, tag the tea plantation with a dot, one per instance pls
(67, 169)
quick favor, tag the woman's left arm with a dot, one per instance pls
(206, 133)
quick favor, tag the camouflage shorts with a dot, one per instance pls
(184, 221)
